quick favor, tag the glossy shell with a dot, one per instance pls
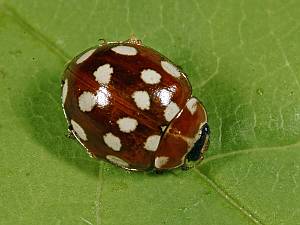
(128, 104)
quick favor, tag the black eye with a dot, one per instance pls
(196, 151)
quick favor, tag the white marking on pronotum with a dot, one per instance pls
(142, 99)
(116, 160)
(191, 141)
(127, 124)
(171, 111)
(192, 105)
(152, 143)
(170, 69)
(160, 161)
(124, 50)
(78, 130)
(103, 74)
(65, 91)
(85, 56)
(150, 76)
(86, 101)
(112, 141)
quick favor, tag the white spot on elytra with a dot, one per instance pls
(152, 143)
(142, 99)
(127, 124)
(85, 56)
(150, 76)
(124, 50)
(160, 161)
(116, 160)
(78, 130)
(103, 74)
(102, 97)
(192, 105)
(170, 68)
(165, 95)
(86, 101)
(65, 91)
(112, 141)
(171, 111)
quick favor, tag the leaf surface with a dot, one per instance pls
(243, 61)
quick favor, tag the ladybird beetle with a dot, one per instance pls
(130, 105)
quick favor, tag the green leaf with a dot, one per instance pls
(243, 59)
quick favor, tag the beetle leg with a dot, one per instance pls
(157, 171)
(186, 165)
(70, 133)
(102, 41)
(134, 40)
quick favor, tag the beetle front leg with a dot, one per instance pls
(187, 165)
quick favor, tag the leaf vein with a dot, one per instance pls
(228, 198)
(36, 34)
(99, 193)
(246, 151)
